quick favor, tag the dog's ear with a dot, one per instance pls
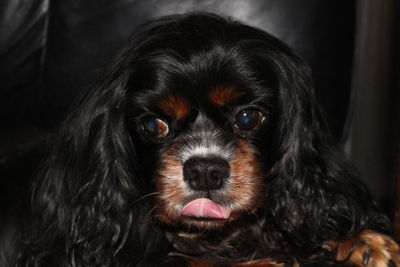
(313, 193)
(302, 132)
(82, 197)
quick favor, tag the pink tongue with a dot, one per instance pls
(205, 208)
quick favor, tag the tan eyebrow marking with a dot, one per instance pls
(175, 106)
(223, 95)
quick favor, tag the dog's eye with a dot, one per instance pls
(248, 119)
(155, 127)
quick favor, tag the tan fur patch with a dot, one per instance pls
(247, 185)
(221, 96)
(367, 249)
(175, 106)
(170, 185)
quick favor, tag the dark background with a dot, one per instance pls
(51, 49)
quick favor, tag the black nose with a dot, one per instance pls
(205, 174)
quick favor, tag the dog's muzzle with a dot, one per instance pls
(205, 174)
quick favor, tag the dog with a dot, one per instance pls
(201, 144)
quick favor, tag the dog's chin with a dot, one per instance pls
(204, 223)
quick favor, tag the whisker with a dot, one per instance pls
(149, 213)
(143, 197)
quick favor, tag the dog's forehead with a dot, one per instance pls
(179, 105)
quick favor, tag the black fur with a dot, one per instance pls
(91, 199)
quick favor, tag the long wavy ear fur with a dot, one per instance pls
(82, 198)
(313, 192)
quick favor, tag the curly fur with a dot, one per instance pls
(93, 197)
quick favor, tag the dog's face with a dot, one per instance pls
(202, 150)
(202, 117)
(211, 115)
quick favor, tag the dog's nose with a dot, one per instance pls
(205, 173)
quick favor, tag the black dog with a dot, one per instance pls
(202, 144)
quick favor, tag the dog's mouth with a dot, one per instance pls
(204, 208)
